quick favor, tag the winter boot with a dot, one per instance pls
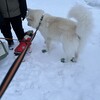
(26, 41)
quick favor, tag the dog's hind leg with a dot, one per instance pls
(74, 59)
(70, 48)
(79, 50)
(69, 52)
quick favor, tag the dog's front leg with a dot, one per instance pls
(48, 44)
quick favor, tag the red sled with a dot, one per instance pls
(25, 42)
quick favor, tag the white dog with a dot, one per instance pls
(71, 33)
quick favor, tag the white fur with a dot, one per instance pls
(72, 34)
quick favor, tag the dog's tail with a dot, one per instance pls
(84, 20)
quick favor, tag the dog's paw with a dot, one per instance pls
(63, 60)
(44, 51)
(73, 59)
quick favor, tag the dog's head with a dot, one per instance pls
(33, 17)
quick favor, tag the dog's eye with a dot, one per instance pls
(29, 19)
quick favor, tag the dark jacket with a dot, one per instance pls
(23, 8)
(13, 8)
(1, 19)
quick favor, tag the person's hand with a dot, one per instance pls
(23, 16)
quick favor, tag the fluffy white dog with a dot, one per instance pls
(71, 33)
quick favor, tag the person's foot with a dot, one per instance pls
(11, 46)
(29, 33)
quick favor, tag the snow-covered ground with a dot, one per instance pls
(95, 3)
(43, 76)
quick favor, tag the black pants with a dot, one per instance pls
(16, 24)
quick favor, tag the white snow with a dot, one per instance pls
(94, 3)
(43, 76)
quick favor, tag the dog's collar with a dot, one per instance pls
(41, 19)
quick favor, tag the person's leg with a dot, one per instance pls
(6, 31)
(17, 27)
